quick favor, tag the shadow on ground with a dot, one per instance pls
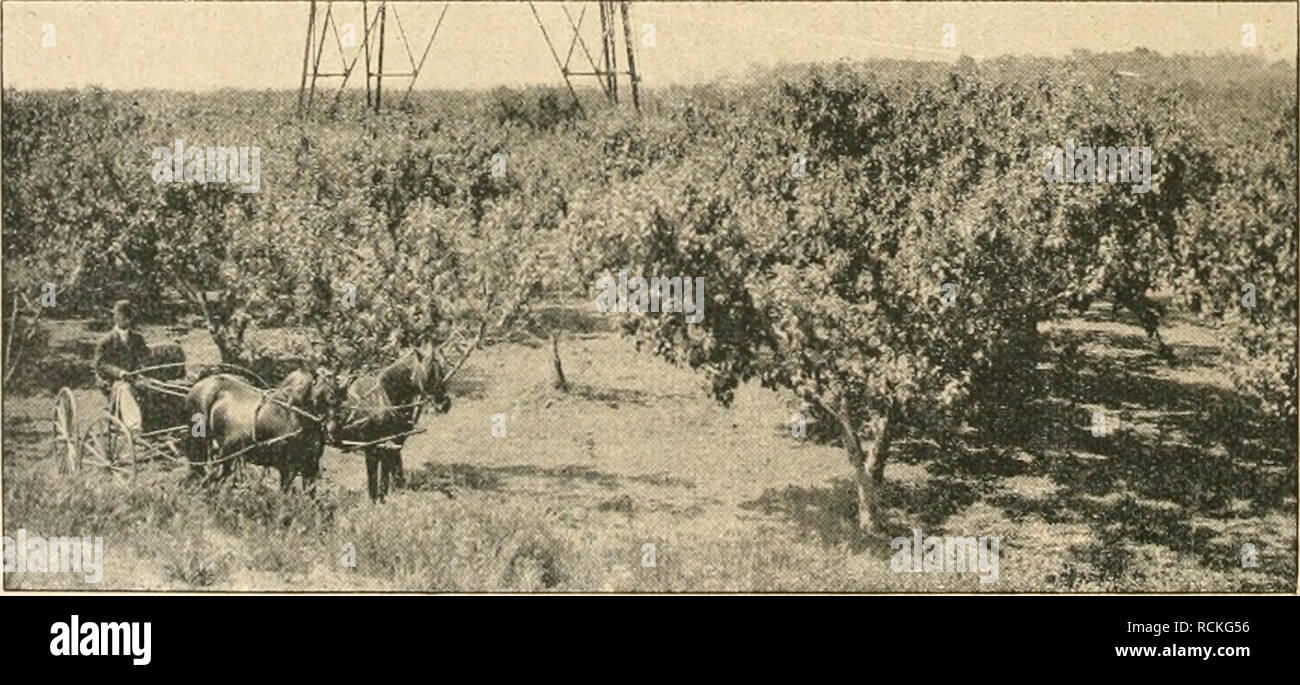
(434, 475)
(1187, 462)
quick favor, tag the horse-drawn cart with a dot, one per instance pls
(372, 413)
(109, 443)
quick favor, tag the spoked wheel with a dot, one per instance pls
(65, 431)
(109, 444)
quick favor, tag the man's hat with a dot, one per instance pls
(124, 308)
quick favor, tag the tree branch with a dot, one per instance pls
(12, 354)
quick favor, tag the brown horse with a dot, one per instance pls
(285, 427)
(383, 408)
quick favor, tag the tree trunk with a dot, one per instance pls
(226, 322)
(560, 384)
(867, 457)
(18, 343)
(228, 335)
(231, 352)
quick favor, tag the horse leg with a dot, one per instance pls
(212, 471)
(286, 476)
(309, 474)
(401, 471)
(196, 454)
(309, 467)
(384, 475)
(392, 461)
(372, 473)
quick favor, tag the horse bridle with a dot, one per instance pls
(426, 391)
(424, 396)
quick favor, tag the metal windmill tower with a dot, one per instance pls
(372, 43)
(605, 68)
(603, 65)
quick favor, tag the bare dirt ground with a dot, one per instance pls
(637, 453)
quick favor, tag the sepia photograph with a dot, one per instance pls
(648, 298)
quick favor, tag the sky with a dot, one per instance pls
(259, 45)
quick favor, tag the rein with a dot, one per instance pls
(221, 365)
(417, 407)
(380, 407)
(255, 445)
(266, 397)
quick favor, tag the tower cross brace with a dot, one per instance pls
(603, 65)
(371, 47)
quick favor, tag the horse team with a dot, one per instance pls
(287, 427)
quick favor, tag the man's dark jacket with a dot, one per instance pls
(115, 357)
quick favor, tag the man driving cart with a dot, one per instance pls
(118, 355)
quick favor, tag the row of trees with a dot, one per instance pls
(828, 282)
(435, 223)
(365, 237)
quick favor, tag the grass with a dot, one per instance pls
(636, 481)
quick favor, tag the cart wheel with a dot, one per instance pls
(109, 444)
(65, 431)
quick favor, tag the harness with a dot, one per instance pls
(417, 407)
(267, 396)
